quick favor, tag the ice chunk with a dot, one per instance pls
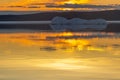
(75, 24)
(59, 23)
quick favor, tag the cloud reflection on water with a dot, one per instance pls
(65, 40)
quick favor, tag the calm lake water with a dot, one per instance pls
(60, 56)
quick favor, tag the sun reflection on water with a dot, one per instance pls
(77, 1)
(89, 55)
(64, 40)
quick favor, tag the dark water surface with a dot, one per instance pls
(60, 56)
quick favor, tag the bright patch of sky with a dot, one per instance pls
(41, 5)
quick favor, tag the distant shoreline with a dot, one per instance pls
(110, 15)
(35, 12)
(107, 15)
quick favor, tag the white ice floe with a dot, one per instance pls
(61, 23)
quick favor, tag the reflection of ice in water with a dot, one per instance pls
(66, 55)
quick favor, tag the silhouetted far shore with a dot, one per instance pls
(107, 15)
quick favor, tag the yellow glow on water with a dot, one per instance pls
(56, 64)
(75, 42)
(62, 64)
(53, 55)
(66, 34)
(67, 9)
(63, 40)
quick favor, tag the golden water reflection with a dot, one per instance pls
(64, 40)
(85, 55)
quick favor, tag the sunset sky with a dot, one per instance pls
(32, 56)
(41, 4)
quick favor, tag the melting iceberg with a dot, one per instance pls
(76, 24)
